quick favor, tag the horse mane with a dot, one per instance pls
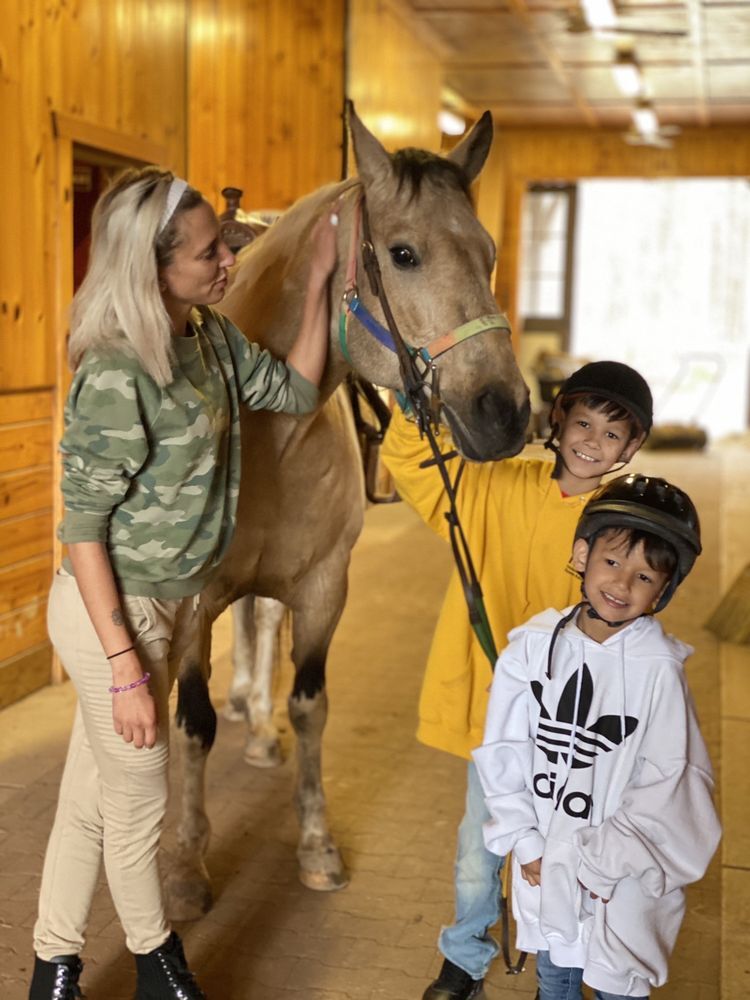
(413, 166)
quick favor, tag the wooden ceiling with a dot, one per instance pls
(520, 59)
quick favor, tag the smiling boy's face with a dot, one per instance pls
(620, 583)
(591, 444)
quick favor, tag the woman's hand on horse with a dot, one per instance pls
(324, 241)
(134, 716)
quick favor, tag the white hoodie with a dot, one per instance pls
(600, 769)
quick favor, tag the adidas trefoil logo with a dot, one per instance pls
(553, 739)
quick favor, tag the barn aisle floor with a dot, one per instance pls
(393, 803)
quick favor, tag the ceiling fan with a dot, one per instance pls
(661, 139)
(647, 130)
(603, 18)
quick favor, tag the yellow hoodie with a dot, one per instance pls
(519, 529)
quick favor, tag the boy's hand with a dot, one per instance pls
(532, 872)
(592, 894)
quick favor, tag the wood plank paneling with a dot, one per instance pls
(24, 537)
(16, 407)
(395, 77)
(26, 491)
(121, 66)
(22, 445)
(23, 674)
(23, 628)
(25, 583)
(25, 523)
(276, 69)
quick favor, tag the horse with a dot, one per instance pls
(301, 502)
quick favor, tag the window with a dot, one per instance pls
(547, 258)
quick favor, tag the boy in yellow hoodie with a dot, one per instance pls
(519, 517)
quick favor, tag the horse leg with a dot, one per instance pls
(188, 887)
(243, 646)
(255, 626)
(320, 864)
(263, 748)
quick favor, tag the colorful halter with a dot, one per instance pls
(352, 305)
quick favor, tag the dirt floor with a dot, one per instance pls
(393, 804)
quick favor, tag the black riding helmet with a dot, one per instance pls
(614, 381)
(647, 503)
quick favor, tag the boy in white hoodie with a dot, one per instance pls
(594, 769)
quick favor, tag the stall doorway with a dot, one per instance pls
(660, 282)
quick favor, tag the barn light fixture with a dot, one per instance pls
(600, 14)
(627, 73)
(450, 123)
(644, 118)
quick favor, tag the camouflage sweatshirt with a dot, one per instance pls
(155, 472)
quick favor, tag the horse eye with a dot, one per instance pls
(404, 257)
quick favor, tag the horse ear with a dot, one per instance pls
(472, 151)
(372, 159)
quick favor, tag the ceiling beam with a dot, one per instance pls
(554, 61)
(695, 17)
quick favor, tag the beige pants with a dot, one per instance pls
(113, 796)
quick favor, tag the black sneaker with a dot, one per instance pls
(454, 984)
(163, 974)
(56, 979)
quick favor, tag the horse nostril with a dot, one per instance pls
(493, 428)
(495, 408)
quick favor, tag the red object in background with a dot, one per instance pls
(89, 180)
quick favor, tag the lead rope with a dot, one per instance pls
(427, 415)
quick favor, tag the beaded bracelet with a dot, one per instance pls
(128, 687)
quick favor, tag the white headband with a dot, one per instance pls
(176, 191)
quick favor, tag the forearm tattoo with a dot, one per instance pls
(117, 617)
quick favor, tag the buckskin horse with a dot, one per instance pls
(301, 499)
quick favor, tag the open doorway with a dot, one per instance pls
(93, 170)
(661, 283)
(649, 272)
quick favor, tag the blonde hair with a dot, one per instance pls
(119, 303)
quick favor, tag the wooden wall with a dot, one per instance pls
(279, 75)
(118, 65)
(26, 524)
(394, 75)
(265, 98)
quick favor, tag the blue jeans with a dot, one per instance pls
(467, 942)
(556, 983)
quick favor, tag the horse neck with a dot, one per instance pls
(284, 250)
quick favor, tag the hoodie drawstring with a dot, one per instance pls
(576, 709)
(557, 630)
(623, 731)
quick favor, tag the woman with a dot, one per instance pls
(151, 457)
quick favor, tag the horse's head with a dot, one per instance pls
(435, 260)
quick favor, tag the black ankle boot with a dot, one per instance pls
(163, 974)
(56, 979)
(454, 984)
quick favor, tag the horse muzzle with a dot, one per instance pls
(492, 427)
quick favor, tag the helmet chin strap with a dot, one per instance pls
(592, 613)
